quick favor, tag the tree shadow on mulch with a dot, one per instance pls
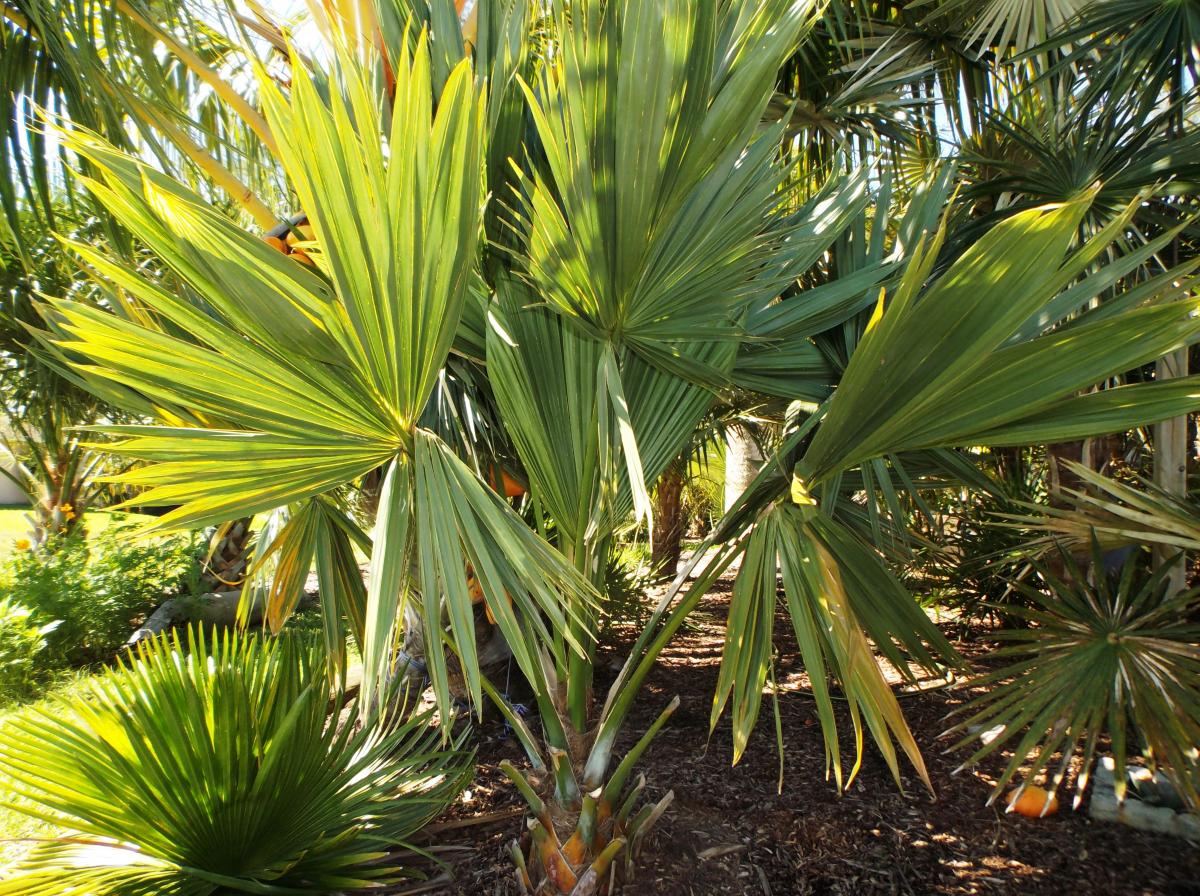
(730, 831)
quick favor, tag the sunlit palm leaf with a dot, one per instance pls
(402, 226)
(328, 371)
(1005, 24)
(650, 226)
(934, 363)
(351, 392)
(829, 620)
(203, 764)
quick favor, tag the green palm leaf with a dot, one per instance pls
(327, 372)
(206, 764)
(1100, 654)
(933, 363)
(939, 366)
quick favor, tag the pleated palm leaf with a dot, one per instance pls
(325, 372)
(652, 222)
(212, 764)
(1101, 654)
(1111, 512)
(102, 66)
(1006, 25)
(1042, 148)
(968, 359)
(496, 45)
(1144, 49)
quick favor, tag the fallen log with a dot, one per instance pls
(215, 608)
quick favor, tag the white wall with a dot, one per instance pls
(9, 493)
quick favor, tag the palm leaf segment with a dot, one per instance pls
(327, 371)
(205, 765)
(1113, 513)
(1102, 655)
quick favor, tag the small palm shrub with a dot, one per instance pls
(1101, 656)
(971, 562)
(212, 765)
(97, 589)
(22, 643)
(968, 554)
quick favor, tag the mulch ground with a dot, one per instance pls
(730, 831)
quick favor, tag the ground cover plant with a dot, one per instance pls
(95, 591)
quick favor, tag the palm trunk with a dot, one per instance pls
(1170, 464)
(1060, 476)
(587, 817)
(743, 460)
(667, 543)
(228, 557)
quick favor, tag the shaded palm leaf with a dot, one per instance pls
(1099, 655)
(1146, 48)
(1113, 513)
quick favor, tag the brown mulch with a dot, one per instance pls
(730, 832)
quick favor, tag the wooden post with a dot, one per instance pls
(1170, 460)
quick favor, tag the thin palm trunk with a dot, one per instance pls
(667, 544)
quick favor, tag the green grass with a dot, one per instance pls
(17, 830)
(14, 524)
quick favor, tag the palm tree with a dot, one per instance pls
(94, 64)
(48, 461)
(649, 252)
(634, 286)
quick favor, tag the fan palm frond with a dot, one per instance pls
(212, 762)
(1100, 654)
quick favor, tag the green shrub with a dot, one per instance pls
(97, 589)
(214, 765)
(22, 642)
(703, 498)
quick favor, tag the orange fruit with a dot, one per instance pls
(512, 488)
(1033, 802)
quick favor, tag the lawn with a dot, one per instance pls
(17, 829)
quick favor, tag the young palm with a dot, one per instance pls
(325, 372)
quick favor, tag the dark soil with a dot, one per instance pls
(730, 832)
